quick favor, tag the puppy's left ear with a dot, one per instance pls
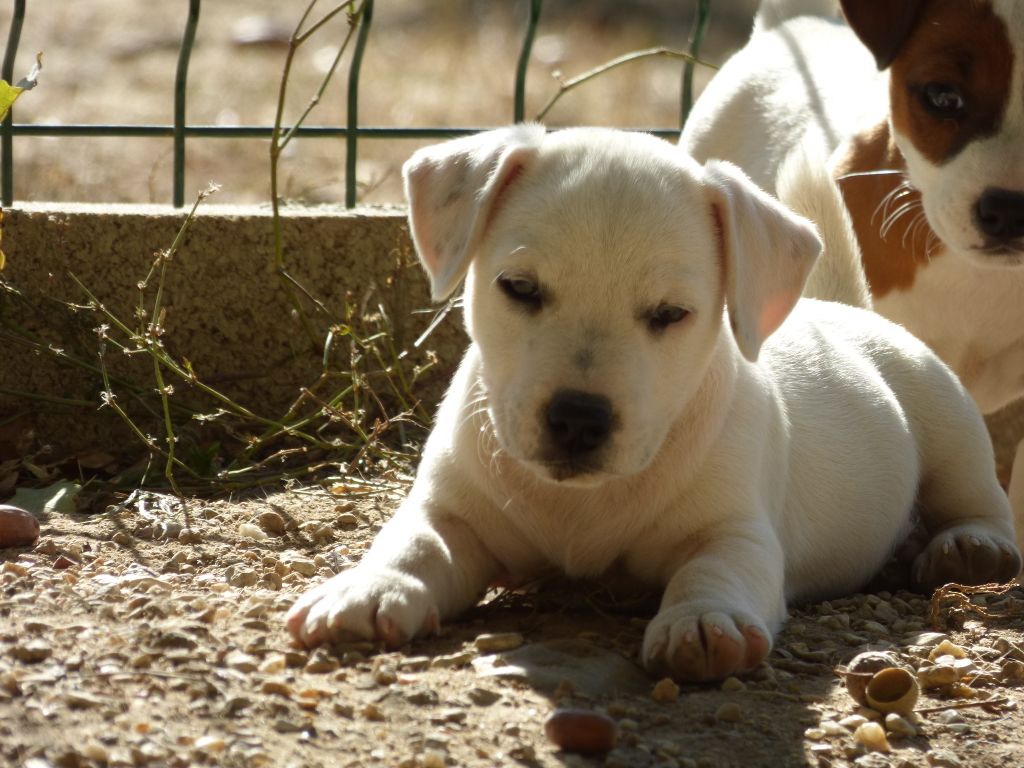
(767, 251)
(883, 27)
(454, 190)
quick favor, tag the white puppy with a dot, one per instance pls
(629, 400)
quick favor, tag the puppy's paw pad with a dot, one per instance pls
(967, 554)
(378, 605)
(709, 646)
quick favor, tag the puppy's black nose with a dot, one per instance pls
(579, 422)
(999, 214)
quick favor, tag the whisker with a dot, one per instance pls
(890, 199)
(894, 216)
(913, 228)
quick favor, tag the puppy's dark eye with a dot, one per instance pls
(665, 315)
(521, 289)
(942, 100)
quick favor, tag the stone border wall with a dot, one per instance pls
(226, 309)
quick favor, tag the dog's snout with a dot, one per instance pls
(999, 214)
(579, 422)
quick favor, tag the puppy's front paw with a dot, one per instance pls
(364, 604)
(694, 647)
(966, 554)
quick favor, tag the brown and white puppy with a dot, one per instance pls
(923, 116)
(644, 395)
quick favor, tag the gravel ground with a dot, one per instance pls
(152, 635)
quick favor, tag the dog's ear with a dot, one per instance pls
(767, 252)
(883, 27)
(454, 190)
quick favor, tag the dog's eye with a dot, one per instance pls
(521, 289)
(942, 100)
(666, 315)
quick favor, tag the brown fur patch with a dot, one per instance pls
(958, 43)
(891, 254)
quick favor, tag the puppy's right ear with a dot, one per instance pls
(454, 190)
(883, 27)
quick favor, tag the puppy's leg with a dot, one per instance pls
(720, 609)
(417, 572)
(962, 504)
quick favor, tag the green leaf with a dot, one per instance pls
(10, 93)
(59, 497)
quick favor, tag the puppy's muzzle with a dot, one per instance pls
(999, 215)
(577, 424)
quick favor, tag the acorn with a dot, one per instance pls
(581, 731)
(18, 528)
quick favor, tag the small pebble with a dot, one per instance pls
(273, 664)
(872, 736)
(17, 569)
(483, 697)
(942, 758)
(729, 712)
(1012, 670)
(242, 577)
(271, 522)
(322, 662)
(832, 728)
(32, 652)
(459, 659)
(278, 687)
(899, 726)
(250, 531)
(949, 716)
(947, 648)
(385, 675)
(937, 676)
(853, 722)
(303, 566)
(189, 536)
(665, 691)
(241, 661)
(96, 751)
(496, 643)
(733, 684)
(210, 744)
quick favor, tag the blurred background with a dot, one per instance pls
(428, 63)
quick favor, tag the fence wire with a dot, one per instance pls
(352, 132)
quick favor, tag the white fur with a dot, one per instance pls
(804, 184)
(777, 461)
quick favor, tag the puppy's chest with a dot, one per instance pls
(581, 538)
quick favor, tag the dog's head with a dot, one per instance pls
(597, 264)
(957, 113)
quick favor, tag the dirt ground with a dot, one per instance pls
(153, 634)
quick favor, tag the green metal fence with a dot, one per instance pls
(352, 132)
